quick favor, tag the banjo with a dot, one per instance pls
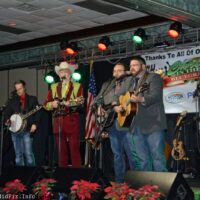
(18, 122)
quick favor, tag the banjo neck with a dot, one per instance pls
(31, 112)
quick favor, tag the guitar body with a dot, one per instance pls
(178, 152)
(125, 118)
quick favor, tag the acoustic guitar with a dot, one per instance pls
(130, 108)
(178, 151)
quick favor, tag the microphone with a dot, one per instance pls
(62, 78)
(126, 74)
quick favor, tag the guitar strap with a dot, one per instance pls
(141, 81)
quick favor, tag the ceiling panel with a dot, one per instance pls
(43, 18)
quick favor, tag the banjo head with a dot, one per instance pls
(16, 123)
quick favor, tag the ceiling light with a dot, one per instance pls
(139, 36)
(104, 42)
(175, 29)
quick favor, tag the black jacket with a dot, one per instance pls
(14, 107)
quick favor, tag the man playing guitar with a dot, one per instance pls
(120, 139)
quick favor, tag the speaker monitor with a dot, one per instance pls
(172, 185)
(65, 177)
(27, 175)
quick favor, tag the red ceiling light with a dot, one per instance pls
(70, 48)
(104, 42)
(175, 30)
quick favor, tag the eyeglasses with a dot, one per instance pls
(134, 65)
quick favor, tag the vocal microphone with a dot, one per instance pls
(126, 74)
(62, 78)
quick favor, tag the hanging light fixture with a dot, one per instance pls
(71, 48)
(104, 42)
(175, 29)
(139, 36)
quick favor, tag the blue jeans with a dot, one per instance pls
(23, 149)
(150, 150)
(121, 141)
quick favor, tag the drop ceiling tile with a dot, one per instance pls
(87, 24)
(31, 18)
(49, 23)
(70, 28)
(129, 15)
(11, 13)
(47, 13)
(34, 34)
(32, 27)
(106, 20)
(48, 4)
(69, 18)
(8, 4)
(72, 1)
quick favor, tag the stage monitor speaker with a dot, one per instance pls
(65, 177)
(27, 175)
(172, 185)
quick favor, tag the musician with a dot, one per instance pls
(120, 139)
(22, 103)
(149, 124)
(66, 125)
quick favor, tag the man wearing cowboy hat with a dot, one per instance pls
(66, 127)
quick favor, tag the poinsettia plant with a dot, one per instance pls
(43, 188)
(124, 192)
(13, 188)
(83, 190)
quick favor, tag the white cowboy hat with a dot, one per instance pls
(64, 65)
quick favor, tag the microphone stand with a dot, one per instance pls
(197, 96)
(98, 139)
(1, 138)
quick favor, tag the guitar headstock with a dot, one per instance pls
(181, 116)
(143, 87)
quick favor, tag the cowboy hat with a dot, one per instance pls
(64, 65)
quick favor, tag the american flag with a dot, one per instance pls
(90, 116)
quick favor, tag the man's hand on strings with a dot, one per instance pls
(101, 111)
(137, 99)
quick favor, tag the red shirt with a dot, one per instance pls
(22, 101)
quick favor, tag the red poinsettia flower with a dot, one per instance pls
(123, 192)
(43, 187)
(14, 187)
(83, 189)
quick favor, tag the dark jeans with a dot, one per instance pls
(150, 150)
(23, 149)
(121, 141)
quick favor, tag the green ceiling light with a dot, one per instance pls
(139, 36)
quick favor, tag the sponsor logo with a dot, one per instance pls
(175, 97)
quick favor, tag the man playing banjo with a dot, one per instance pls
(21, 129)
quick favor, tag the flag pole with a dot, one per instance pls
(88, 144)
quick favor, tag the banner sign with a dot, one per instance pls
(180, 70)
